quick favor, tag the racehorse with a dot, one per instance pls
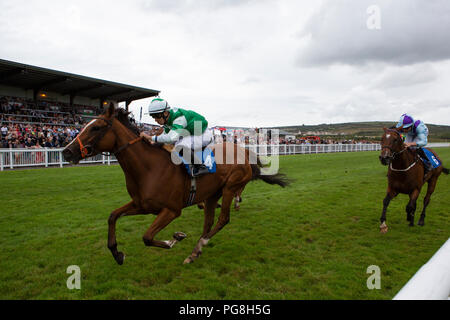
(405, 175)
(158, 186)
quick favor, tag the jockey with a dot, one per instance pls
(416, 135)
(186, 129)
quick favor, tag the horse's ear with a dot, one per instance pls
(385, 129)
(110, 111)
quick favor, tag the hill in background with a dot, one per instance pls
(360, 130)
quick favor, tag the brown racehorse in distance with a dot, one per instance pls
(405, 175)
(156, 185)
(237, 201)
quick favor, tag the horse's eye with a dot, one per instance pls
(95, 128)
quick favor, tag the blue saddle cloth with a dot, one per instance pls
(208, 160)
(431, 159)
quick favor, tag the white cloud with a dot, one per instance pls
(237, 62)
(411, 31)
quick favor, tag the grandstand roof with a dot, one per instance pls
(40, 79)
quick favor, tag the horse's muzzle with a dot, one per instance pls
(69, 156)
(385, 160)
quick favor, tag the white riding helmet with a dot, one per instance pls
(158, 105)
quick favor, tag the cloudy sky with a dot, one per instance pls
(250, 62)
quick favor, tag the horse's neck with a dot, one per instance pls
(138, 157)
(405, 158)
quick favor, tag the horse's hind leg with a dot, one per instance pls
(411, 207)
(210, 210)
(127, 210)
(224, 218)
(426, 201)
(238, 199)
(162, 220)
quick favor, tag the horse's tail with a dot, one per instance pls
(445, 170)
(278, 178)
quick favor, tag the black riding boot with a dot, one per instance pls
(197, 167)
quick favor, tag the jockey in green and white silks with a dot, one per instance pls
(185, 129)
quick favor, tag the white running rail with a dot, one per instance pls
(44, 157)
(432, 281)
(19, 158)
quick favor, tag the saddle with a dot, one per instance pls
(208, 165)
(206, 156)
(428, 158)
(430, 161)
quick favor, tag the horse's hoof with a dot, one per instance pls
(188, 260)
(421, 223)
(120, 258)
(383, 228)
(179, 236)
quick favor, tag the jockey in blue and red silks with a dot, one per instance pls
(416, 136)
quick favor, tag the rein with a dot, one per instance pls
(126, 145)
(394, 154)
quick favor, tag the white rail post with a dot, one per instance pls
(60, 159)
(11, 158)
(1, 161)
(432, 281)
(46, 157)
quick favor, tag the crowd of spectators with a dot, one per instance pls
(35, 136)
(25, 124)
(43, 124)
(323, 141)
(252, 138)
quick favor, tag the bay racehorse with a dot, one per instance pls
(237, 201)
(405, 175)
(158, 186)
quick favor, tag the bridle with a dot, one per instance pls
(88, 150)
(394, 154)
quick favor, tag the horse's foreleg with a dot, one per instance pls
(389, 196)
(426, 200)
(411, 207)
(224, 218)
(126, 210)
(162, 220)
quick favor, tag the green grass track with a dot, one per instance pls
(313, 240)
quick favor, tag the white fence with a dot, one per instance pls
(286, 149)
(432, 281)
(17, 158)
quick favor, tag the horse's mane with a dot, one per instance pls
(124, 118)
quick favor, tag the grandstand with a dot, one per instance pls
(42, 107)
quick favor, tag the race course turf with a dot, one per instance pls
(313, 240)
